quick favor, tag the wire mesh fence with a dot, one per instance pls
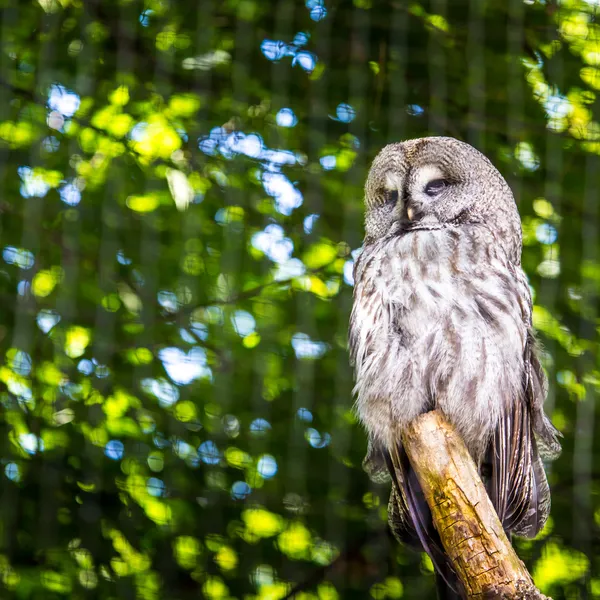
(181, 202)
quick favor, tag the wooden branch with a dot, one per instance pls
(463, 515)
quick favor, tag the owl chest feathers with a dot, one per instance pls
(436, 323)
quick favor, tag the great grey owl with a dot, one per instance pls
(442, 319)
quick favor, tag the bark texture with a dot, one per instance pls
(463, 515)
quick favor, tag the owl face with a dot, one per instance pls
(433, 182)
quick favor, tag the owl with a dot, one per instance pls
(441, 319)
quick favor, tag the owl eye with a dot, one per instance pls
(391, 197)
(433, 188)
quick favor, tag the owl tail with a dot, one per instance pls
(446, 590)
(411, 522)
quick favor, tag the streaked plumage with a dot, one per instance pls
(442, 319)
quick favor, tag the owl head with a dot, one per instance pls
(433, 182)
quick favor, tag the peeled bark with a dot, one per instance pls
(463, 515)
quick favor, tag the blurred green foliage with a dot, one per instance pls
(181, 193)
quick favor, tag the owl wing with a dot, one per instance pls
(535, 384)
(518, 488)
(546, 435)
(515, 485)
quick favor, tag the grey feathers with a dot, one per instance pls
(442, 319)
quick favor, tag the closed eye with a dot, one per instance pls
(433, 188)
(391, 197)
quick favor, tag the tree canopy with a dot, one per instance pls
(181, 201)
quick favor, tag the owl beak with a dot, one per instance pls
(414, 212)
